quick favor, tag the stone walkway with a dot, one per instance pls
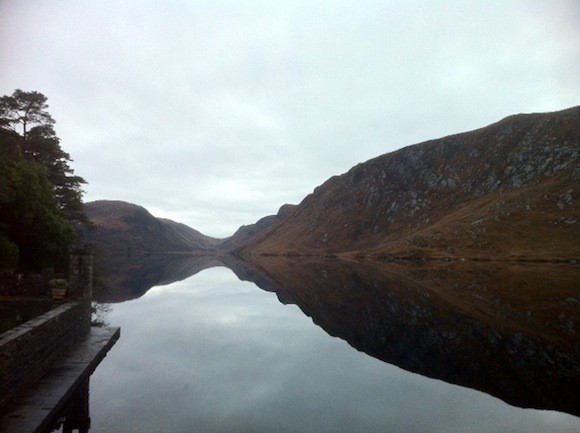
(42, 404)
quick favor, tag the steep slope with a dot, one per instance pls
(124, 227)
(508, 190)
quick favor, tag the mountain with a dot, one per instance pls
(505, 191)
(124, 227)
(248, 234)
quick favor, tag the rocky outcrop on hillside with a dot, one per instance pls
(119, 226)
(509, 190)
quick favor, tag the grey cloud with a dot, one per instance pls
(239, 107)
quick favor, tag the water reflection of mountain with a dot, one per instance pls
(506, 330)
(121, 277)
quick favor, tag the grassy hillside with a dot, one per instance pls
(509, 190)
(124, 227)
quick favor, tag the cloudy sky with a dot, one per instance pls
(215, 113)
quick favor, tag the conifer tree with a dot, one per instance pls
(40, 196)
(24, 108)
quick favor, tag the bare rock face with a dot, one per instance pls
(508, 190)
(119, 226)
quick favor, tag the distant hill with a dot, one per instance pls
(508, 191)
(124, 227)
(248, 234)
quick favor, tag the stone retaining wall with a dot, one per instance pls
(28, 351)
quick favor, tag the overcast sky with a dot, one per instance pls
(215, 113)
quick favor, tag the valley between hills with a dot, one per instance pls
(507, 191)
(447, 258)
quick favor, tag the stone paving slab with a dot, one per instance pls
(40, 406)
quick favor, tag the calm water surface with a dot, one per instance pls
(216, 354)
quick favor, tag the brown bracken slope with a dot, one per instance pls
(118, 226)
(506, 191)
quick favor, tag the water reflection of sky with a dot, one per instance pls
(215, 354)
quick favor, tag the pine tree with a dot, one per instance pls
(24, 108)
(40, 196)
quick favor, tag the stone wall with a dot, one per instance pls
(28, 351)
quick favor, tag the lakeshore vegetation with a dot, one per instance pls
(40, 195)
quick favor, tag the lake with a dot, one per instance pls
(215, 353)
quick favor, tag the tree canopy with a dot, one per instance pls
(43, 147)
(40, 196)
(24, 108)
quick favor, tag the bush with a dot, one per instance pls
(58, 282)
